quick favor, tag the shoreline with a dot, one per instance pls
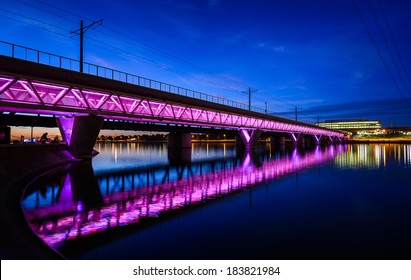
(351, 141)
(19, 167)
(378, 141)
(165, 141)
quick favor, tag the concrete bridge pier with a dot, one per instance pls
(302, 141)
(249, 139)
(179, 148)
(332, 140)
(179, 140)
(239, 144)
(298, 139)
(318, 139)
(295, 138)
(310, 140)
(80, 133)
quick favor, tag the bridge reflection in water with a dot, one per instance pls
(78, 203)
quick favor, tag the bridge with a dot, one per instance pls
(32, 81)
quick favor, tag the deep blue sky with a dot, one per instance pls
(316, 55)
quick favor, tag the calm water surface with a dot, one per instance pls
(136, 201)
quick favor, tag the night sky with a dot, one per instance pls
(332, 59)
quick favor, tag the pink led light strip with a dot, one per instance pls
(130, 207)
(56, 98)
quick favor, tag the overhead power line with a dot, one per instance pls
(44, 10)
(35, 20)
(220, 80)
(60, 9)
(374, 42)
(394, 41)
(140, 44)
(38, 27)
(173, 57)
(374, 14)
(117, 50)
(106, 46)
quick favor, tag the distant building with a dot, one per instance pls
(351, 125)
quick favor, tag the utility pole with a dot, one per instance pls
(296, 113)
(81, 32)
(250, 90)
(266, 107)
(318, 119)
(249, 99)
(81, 45)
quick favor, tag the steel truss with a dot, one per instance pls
(36, 96)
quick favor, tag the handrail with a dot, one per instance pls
(33, 55)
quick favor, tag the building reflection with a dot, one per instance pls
(83, 203)
(373, 156)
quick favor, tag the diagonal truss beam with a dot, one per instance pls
(19, 93)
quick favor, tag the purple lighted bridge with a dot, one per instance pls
(33, 87)
(60, 99)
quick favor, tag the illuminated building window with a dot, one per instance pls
(350, 124)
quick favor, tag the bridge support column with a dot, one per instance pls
(249, 140)
(273, 141)
(239, 142)
(179, 148)
(179, 140)
(296, 139)
(80, 133)
(302, 140)
(317, 139)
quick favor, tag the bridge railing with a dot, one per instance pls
(33, 55)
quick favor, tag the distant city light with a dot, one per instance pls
(350, 124)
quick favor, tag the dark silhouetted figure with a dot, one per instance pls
(43, 138)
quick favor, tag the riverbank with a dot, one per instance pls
(165, 141)
(379, 140)
(19, 165)
(351, 141)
